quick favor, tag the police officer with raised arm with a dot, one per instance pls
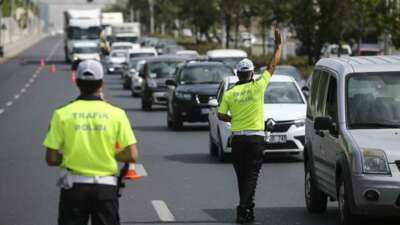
(243, 106)
(82, 141)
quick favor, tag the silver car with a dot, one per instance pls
(352, 150)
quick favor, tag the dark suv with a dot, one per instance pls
(195, 84)
(156, 71)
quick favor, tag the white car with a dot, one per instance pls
(231, 57)
(137, 80)
(285, 113)
(141, 52)
(193, 53)
(332, 50)
(115, 61)
(85, 50)
(124, 46)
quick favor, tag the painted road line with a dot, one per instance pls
(162, 211)
(54, 50)
(23, 90)
(16, 96)
(31, 80)
(140, 170)
(9, 103)
(27, 85)
(1, 111)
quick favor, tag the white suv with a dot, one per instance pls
(285, 113)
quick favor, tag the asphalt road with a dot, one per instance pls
(184, 185)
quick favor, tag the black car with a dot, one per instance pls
(156, 71)
(195, 84)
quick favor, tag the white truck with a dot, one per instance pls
(126, 32)
(80, 25)
(109, 19)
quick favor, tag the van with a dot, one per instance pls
(230, 57)
(352, 147)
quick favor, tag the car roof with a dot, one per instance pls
(143, 50)
(169, 58)
(226, 53)
(361, 64)
(274, 78)
(83, 44)
(121, 44)
(193, 63)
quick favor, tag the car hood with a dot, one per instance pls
(285, 112)
(387, 140)
(117, 60)
(87, 55)
(203, 89)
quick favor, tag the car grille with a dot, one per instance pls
(287, 145)
(203, 99)
(279, 126)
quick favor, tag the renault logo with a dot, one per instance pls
(270, 124)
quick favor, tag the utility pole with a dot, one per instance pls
(151, 10)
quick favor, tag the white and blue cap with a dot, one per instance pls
(245, 65)
(90, 70)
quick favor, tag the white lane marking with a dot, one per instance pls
(162, 210)
(23, 90)
(9, 103)
(1, 111)
(27, 85)
(31, 80)
(16, 96)
(140, 170)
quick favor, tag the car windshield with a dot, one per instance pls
(86, 50)
(140, 54)
(118, 54)
(282, 93)
(373, 100)
(162, 69)
(343, 51)
(232, 62)
(288, 71)
(204, 74)
(76, 33)
(122, 47)
(126, 39)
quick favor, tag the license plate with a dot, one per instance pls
(274, 139)
(205, 111)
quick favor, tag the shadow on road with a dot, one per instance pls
(156, 128)
(282, 158)
(192, 158)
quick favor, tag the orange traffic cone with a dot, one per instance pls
(132, 173)
(53, 68)
(42, 63)
(73, 77)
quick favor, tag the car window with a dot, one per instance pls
(321, 93)
(373, 100)
(87, 50)
(141, 54)
(331, 107)
(118, 54)
(204, 74)
(312, 107)
(282, 93)
(162, 69)
(230, 61)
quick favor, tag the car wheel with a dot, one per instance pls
(146, 105)
(316, 200)
(213, 148)
(345, 215)
(177, 124)
(222, 156)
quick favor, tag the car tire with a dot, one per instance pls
(316, 200)
(345, 215)
(213, 148)
(222, 156)
(146, 105)
(177, 124)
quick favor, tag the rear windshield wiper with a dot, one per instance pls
(374, 125)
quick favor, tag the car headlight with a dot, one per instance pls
(183, 96)
(152, 84)
(300, 123)
(374, 161)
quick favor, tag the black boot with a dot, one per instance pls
(244, 215)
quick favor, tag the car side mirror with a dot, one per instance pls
(322, 123)
(213, 103)
(133, 70)
(170, 82)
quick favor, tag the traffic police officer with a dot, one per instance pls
(82, 140)
(245, 103)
